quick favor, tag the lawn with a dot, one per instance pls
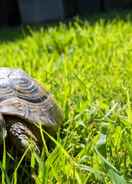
(87, 66)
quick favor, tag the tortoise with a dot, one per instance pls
(25, 105)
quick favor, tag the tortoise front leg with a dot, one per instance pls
(3, 132)
(22, 138)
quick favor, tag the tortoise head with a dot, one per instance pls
(3, 131)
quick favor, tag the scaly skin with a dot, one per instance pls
(3, 131)
(20, 136)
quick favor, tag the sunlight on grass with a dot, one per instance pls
(87, 66)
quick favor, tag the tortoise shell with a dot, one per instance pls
(23, 97)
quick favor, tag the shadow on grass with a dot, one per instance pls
(124, 15)
(10, 34)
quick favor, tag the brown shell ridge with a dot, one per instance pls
(36, 113)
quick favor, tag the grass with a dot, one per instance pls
(87, 65)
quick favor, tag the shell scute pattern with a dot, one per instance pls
(22, 96)
(17, 83)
